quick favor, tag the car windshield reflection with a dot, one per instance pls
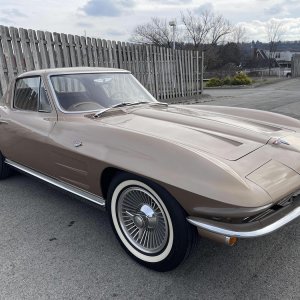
(97, 91)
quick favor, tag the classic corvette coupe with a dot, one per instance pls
(164, 173)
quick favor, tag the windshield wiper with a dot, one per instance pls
(160, 103)
(98, 114)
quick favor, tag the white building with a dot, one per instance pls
(283, 58)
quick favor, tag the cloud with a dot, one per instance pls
(5, 20)
(101, 8)
(207, 6)
(13, 12)
(84, 24)
(115, 32)
(172, 2)
(8, 16)
(107, 8)
(110, 17)
(274, 10)
(283, 8)
(256, 30)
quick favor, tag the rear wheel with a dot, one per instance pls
(149, 223)
(5, 170)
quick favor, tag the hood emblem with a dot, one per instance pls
(279, 141)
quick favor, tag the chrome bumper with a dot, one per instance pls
(250, 230)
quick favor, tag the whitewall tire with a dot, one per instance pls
(148, 222)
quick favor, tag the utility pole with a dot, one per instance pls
(173, 25)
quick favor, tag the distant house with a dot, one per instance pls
(282, 59)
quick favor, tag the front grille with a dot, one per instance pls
(286, 201)
(260, 216)
(282, 203)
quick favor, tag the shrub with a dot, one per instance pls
(227, 81)
(241, 79)
(214, 82)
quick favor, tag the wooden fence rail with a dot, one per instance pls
(164, 72)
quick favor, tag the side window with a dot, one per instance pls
(27, 93)
(30, 94)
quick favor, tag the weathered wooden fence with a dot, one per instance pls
(164, 72)
(296, 65)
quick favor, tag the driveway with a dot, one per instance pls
(282, 97)
(53, 246)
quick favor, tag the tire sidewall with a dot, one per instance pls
(128, 245)
(180, 236)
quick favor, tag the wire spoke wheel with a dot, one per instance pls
(148, 222)
(142, 220)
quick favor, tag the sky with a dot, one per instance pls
(116, 19)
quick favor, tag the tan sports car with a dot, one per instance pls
(163, 172)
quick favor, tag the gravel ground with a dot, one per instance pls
(53, 246)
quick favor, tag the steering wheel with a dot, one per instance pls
(76, 106)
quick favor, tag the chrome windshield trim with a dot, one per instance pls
(64, 186)
(264, 230)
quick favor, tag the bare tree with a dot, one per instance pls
(197, 27)
(156, 32)
(203, 31)
(238, 34)
(274, 32)
(220, 27)
(206, 28)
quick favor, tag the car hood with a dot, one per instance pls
(222, 135)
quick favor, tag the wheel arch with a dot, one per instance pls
(106, 177)
(109, 173)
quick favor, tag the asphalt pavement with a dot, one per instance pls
(282, 97)
(53, 246)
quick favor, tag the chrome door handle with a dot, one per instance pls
(3, 122)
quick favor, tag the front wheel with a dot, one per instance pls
(149, 223)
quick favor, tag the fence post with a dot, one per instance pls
(50, 46)
(3, 77)
(202, 71)
(18, 49)
(7, 51)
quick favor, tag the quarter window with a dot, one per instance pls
(30, 95)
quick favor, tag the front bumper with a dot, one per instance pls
(253, 229)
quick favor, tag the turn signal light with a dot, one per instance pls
(231, 241)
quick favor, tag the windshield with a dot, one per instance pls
(97, 91)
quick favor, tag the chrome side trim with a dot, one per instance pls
(64, 186)
(269, 228)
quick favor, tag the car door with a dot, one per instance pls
(69, 163)
(30, 119)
